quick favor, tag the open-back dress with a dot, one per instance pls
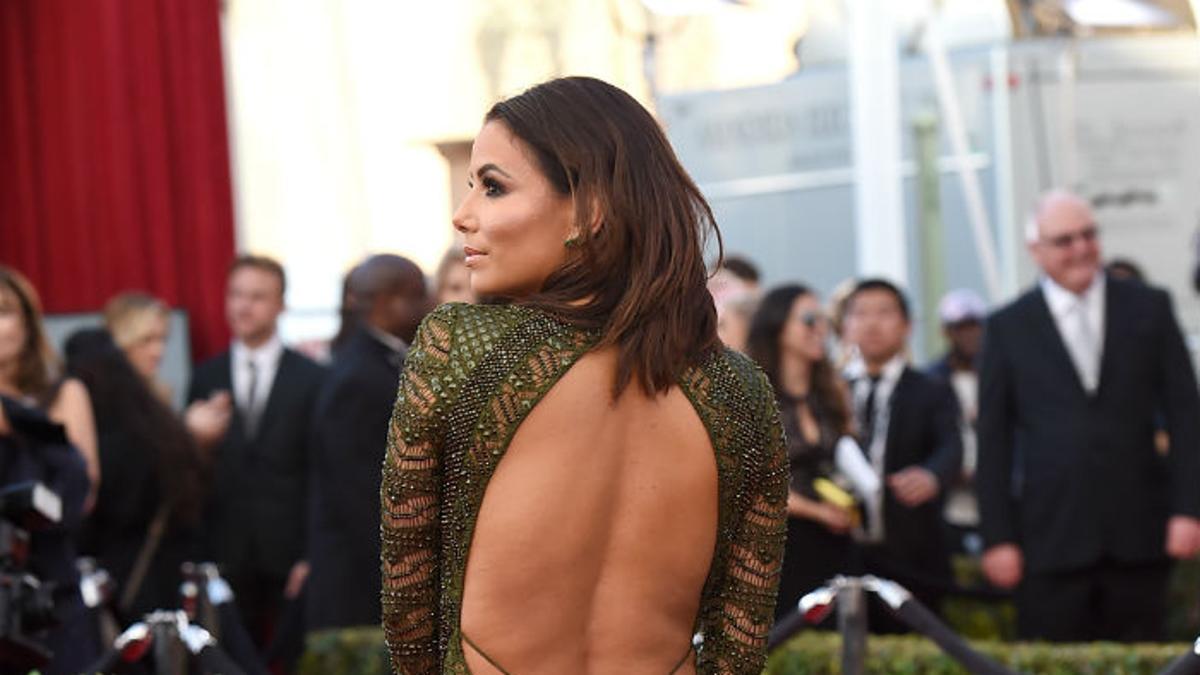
(473, 375)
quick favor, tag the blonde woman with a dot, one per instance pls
(140, 325)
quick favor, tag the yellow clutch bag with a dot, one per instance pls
(829, 491)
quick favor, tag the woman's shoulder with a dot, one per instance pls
(748, 378)
(69, 394)
(458, 331)
(460, 323)
(452, 315)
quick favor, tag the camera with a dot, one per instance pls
(26, 604)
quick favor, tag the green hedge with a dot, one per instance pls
(819, 653)
(990, 620)
(356, 650)
(361, 652)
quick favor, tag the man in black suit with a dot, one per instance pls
(908, 428)
(1079, 511)
(387, 298)
(255, 516)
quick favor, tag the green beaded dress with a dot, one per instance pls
(471, 377)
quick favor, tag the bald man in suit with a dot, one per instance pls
(1080, 513)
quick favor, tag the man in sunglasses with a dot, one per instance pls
(1080, 514)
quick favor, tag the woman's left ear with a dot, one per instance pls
(595, 223)
(596, 219)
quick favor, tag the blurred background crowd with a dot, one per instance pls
(222, 221)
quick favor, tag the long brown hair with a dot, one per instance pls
(763, 345)
(37, 364)
(132, 419)
(636, 272)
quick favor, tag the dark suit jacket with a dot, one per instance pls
(255, 517)
(1071, 477)
(351, 426)
(923, 430)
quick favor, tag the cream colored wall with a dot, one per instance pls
(336, 107)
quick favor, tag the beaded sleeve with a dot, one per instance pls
(410, 498)
(742, 606)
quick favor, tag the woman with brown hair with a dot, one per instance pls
(32, 388)
(30, 371)
(787, 338)
(580, 478)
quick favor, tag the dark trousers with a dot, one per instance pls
(1107, 601)
(259, 597)
(927, 582)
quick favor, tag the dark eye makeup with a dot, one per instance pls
(491, 186)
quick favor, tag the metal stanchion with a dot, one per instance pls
(850, 595)
(852, 623)
(169, 643)
(166, 633)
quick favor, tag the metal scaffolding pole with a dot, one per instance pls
(880, 236)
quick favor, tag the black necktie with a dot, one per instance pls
(868, 430)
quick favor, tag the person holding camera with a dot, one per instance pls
(35, 447)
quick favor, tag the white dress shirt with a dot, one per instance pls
(888, 378)
(962, 507)
(266, 361)
(390, 341)
(1080, 322)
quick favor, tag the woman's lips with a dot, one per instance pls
(473, 256)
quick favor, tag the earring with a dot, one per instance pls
(573, 242)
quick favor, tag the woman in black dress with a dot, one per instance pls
(154, 479)
(787, 338)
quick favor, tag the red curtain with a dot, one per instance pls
(114, 160)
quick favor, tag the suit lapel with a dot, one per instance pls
(1114, 316)
(1048, 335)
(279, 388)
(897, 402)
(223, 381)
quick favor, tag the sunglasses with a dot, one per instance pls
(811, 319)
(1064, 241)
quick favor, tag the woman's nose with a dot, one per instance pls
(461, 219)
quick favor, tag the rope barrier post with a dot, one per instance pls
(168, 651)
(918, 617)
(852, 623)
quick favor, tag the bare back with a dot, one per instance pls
(595, 535)
(528, 516)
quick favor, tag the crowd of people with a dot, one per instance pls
(272, 470)
(1055, 440)
(1054, 443)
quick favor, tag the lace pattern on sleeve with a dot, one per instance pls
(739, 607)
(410, 501)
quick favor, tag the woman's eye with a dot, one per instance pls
(491, 188)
